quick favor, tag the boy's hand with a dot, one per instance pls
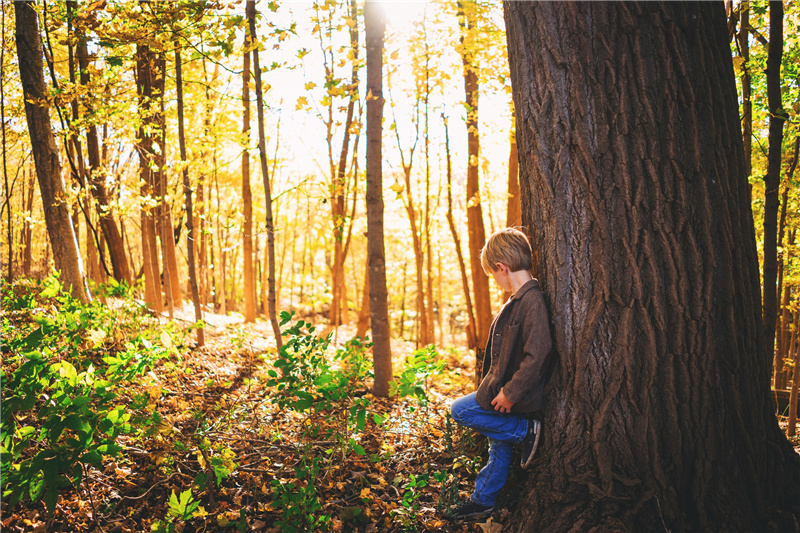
(501, 403)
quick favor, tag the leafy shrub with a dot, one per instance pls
(413, 380)
(298, 502)
(61, 411)
(305, 379)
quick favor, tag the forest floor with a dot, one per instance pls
(275, 468)
(223, 455)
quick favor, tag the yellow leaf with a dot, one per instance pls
(394, 55)
(310, 85)
(397, 188)
(738, 63)
(166, 340)
(302, 102)
(222, 520)
(365, 493)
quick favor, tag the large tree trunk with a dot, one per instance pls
(45, 154)
(658, 414)
(375, 25)
(476, 232)
(262, 150)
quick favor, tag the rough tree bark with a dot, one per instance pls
(632, 173)
(247, 195)
(374, 27)
(59, 225)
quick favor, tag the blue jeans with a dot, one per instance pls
(503, 431)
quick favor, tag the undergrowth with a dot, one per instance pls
(89, 390)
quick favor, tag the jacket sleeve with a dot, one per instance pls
(536, 346)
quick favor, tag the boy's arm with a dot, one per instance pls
(536, 346)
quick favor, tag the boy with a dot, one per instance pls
(514, 371)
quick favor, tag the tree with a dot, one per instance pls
(632, 173)
(476, 232)
(45, 154)
(262, 150)
(772, 179)
(187, 193)
(247, 195)
(375, 25)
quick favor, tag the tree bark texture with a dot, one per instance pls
(191, 231)
(262, 150)
(59, 225)
(658, 414)
(772, 179)
(247, 195)
(375, 25)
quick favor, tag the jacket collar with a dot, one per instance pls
(529, 285)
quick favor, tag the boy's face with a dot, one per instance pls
(501, 276)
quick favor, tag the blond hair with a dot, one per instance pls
(508, 246)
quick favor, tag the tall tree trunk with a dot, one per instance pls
(338, 310)
(472, 330)
(45, 154)
(743, 38)
(262, 149)
(191, 231)
(476, 232)
(97, 182)
(27, 254)
(658, 414)
(145, 74)
(247, 195)
(375, 25)
(792, 429)
(172, 284)
(163, 219)
(10, 275)
(772, 179)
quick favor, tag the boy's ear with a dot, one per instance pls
(501, 267)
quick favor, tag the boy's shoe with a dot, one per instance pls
(530, 442)
(468, 509)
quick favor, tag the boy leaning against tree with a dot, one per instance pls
(515, 370)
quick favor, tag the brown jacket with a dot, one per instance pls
(517, 353)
